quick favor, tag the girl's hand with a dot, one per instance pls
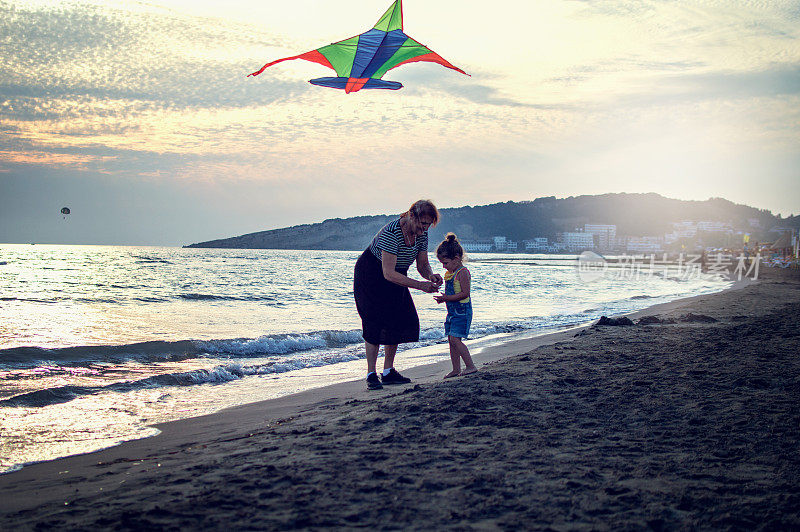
(439, 298)
(437, 279)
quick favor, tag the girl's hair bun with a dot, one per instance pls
(450, 247)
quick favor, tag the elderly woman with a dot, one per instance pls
(381, 284)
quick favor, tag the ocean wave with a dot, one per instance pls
(217, 375)
(212, 297)
(281, 344)
(32, 299)
(160, 351)
(30, 357)
(150, 260)
(96, 300)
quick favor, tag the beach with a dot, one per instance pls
(89, 360)
(685, 419)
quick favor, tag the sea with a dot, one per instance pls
(99, 343)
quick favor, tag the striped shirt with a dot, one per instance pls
(390, 239)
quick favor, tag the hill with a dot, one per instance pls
(633, 214)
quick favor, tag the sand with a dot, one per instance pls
(690, 421)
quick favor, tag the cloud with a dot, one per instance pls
(136, 82)
(480, 92)
(141, 57)
(775, 83)
(779, 80)
(52, 159)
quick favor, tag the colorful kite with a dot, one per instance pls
(361, 61)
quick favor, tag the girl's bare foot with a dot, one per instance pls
(468, 370)
(454, 373)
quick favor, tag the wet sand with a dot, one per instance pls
(687, 419)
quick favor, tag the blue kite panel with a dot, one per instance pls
(391, 43)
(375, 47)
(341, 83)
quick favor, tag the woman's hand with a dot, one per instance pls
(436, 279)
(427, 286)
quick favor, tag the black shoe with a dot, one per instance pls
(394, 378)
(373, 383)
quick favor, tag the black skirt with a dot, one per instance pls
(388, 315)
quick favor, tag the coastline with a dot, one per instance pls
(189, 457)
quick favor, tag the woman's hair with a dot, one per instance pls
(450, 247)
(423, 208)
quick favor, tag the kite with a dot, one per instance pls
(361, 61)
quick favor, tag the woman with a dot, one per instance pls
(381, 284)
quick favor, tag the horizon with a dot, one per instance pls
(140, 118)
(190, 244)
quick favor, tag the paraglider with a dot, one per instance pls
(65, 211)
(361, 61)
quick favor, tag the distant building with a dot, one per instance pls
(781, 230)
(645, 244)
(536, 244)
(479, 246)
(685, 229)
(714, 227)
(511, 245)
(578, 241)
(500, 243)
(606, 235)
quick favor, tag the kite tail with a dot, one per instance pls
(314, 56)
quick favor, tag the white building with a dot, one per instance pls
(714, 227)
(606, 235)
(500, 243)
(578, 241)
(645, 244)
(481, 245)
(536, 244)
(685, 229)
(511, 245)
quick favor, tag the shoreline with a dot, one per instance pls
(485, 349)
(420, 374)
(65, 490)
(245, 391)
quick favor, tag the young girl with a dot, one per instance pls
(459, 305)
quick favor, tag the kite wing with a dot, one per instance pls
(361, 61)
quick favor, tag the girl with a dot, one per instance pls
(459, 305)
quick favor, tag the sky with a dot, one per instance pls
(139, 116)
